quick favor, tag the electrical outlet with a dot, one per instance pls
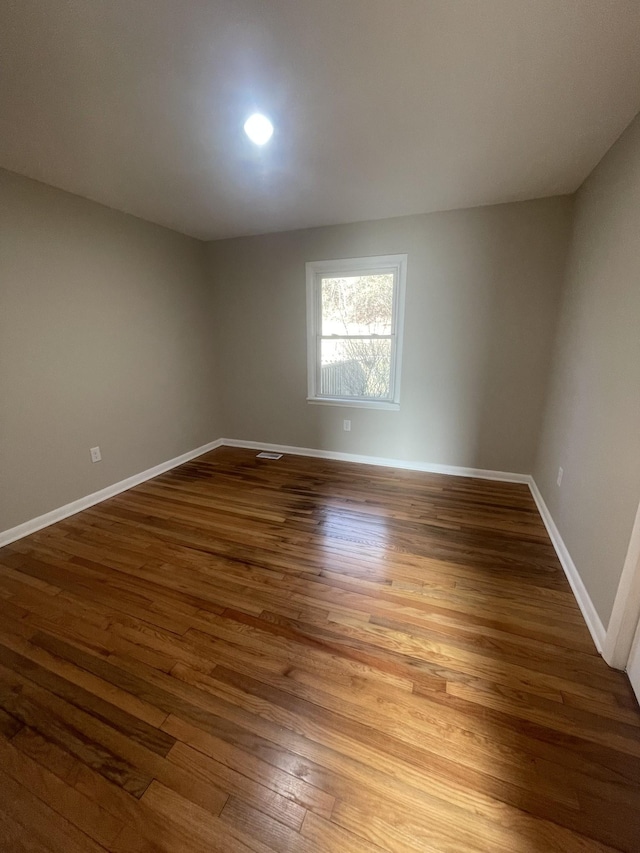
(560, 473)
(346, 425)
(96, 456)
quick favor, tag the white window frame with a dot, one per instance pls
(316, 271)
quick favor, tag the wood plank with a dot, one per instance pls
(173, 824)
(54, 832)
(78, 809)
(288, 786)
(153, 738)
(74, 731)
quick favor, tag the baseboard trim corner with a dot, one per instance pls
(625, 613)
(589, 613)
(428, 467)
(41, 521)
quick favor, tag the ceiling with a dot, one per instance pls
(381, 107)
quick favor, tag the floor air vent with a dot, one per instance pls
(266, 455)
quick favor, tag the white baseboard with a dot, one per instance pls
(429, 467)
(15, 533)
(579, 590)
(589, 612)
(28, 527)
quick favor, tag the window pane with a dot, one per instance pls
(358, 305)
(356, 368)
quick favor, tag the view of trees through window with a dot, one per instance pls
(357, 315)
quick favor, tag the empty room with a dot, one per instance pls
(319, 426)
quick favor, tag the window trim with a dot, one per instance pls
(315, 271)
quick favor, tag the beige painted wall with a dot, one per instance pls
(592, 420)
(104, 340)
(481, 304)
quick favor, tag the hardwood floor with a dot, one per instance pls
(303, 655)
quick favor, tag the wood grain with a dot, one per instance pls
(305, 655)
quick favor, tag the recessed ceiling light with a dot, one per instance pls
(258, 128)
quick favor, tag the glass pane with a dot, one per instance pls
(358, 305)
(356, 368)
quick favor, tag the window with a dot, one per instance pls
(354, 327)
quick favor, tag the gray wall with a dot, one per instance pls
(104, 340)
(592, 419)
(481, 306)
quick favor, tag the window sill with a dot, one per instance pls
(384, 405)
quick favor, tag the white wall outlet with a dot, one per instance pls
(96, 456)
(346, 425)
(560, 473)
